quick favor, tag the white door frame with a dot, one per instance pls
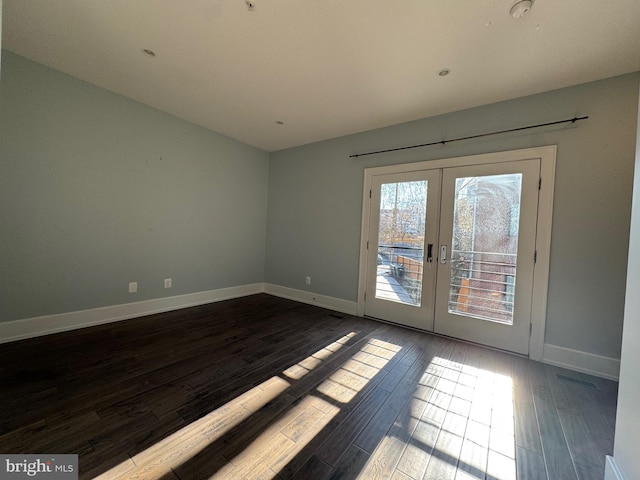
(420, 316)
(547, 156)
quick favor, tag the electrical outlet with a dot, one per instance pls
(133, 287)
(167, 283)
(308, 280)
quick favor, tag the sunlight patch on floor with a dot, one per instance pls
(459, 424)
(302, 368)
(283, 438)
(287, 436)
(281, 441)
(158, 459)
(354, 374)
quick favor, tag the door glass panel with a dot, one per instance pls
(485, 247)
(403, 208)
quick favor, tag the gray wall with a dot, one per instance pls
(627, 418)
(315, 201)
(97, 190)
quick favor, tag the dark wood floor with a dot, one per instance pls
(262, 387)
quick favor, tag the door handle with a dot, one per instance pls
(443, 254)
(430, 253)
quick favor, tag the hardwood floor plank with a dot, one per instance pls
(314, 468)
(392, 379)
(239, 438)
(554, 445)
(373, 433)
(398, 475)
(344, 435)
(500, 467)
(413, 461)
(527, 433)
(478, 433)
(530, 465)
(262, 387)
(302, 423)
(590, 472)
(382, 462)
(333, 434)
(19, 439)
(143, 433)
(583, 397)
(122, 464)
(472, 463)
(351, 464)
(583, 448)
(502, 443)
(416, 456)
(443, 461)
(526, 427)
(566, 393)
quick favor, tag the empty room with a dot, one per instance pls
(319, 240)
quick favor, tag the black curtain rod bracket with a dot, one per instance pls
(470, 137)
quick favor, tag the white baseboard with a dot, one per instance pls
(331, 303)
(580, 361)
(611, 471)
(45, 325)
(604, 367)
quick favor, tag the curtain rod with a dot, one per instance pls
(442, 142)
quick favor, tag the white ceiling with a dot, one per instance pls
(325, 68)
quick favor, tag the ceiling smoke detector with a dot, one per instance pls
(520, 9)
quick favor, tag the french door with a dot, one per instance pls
(451, 250)
(404, 234)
